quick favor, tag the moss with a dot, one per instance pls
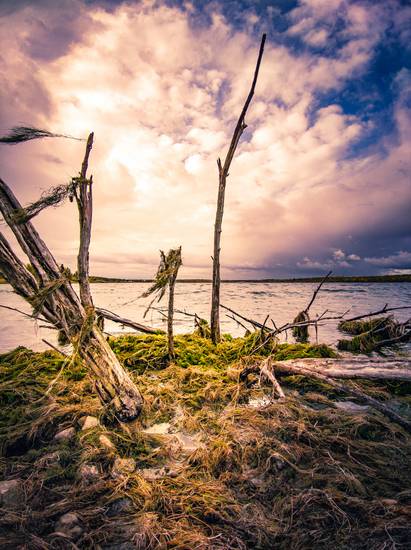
(286, 475)
(370, 335)
(359, 327)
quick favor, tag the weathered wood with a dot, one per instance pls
(316, 291)
(223, 170)
(298, 367)
(351, 367)
(126, 322)
(349, 390)
(268, 372)
(84, 199)
(170, 315)
(166, 278)
(59, 305)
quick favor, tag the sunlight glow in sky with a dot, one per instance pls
(321, 178)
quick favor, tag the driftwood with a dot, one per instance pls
(51, 294)
(296, 367)
(101, 312)
(223, 172)
(352, 367)
(255, 324)
(267, 370)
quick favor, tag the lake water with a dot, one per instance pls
(282, 301)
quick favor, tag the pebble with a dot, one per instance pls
(89, 473)
(106, 442)
(119, 506)
(123, 467)
(69, 525)
(88, 422)
(11, 494)
(65, 435)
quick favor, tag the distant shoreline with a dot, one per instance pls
(336, 279)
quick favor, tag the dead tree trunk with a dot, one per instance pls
(51, 295)
(170, 316)
(166, 276)
(223, 171)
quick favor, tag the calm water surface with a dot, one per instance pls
(282, 301)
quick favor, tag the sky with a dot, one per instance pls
(321, 177)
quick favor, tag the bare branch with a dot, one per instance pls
(84, 201)
(126, 322)
(223, 172)
(316, 292)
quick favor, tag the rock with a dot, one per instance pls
(172, 469)
(69, 526)
(105, 441)
(158, 429)
(88, 422)
(188, 443)
(351, 407)
(123, 467)
(65, 435)
(389, 501)
(89, 473)
(119, 506)
(11, 494)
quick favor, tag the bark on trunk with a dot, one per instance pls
(351, 367)
(170, 316)
(223, 171)
(55, 299)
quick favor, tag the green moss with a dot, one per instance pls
(371, 335)
(359, 327)
(286, 475)
(140, 353)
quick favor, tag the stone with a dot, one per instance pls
(158, 429)
(11, 494)
(89, 473)
(65, 435)
(69, 526)
(351, 407)
(389, 501)
(88, 422)
(106, 442)
(119, 506)
(123, 467)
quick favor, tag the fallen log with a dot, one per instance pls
(298, 367)
(354, 368)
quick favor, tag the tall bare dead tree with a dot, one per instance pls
(50, 293)
(223, 172)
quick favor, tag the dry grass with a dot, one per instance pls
(296, 473)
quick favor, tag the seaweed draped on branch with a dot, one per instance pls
(166, 277)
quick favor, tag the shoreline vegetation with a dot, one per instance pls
(332, 279)
(215, 461)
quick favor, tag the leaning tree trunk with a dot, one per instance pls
(52, 296)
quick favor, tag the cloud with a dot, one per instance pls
(163, 115)
(338, 255)
(401, 259)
